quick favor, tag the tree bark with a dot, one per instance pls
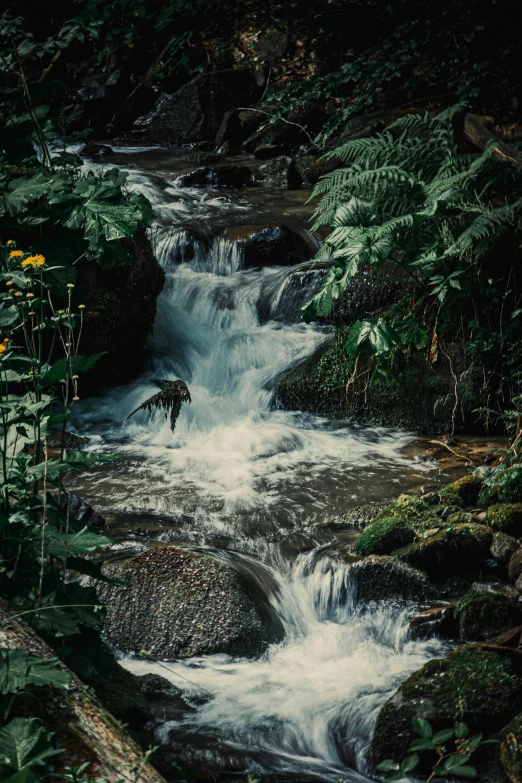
(83, 728)
(476, 131)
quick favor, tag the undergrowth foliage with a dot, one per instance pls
(409, 199)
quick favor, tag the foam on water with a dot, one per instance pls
(246, 471)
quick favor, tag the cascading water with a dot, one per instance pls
(240, 475)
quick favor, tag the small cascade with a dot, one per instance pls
(250, 482)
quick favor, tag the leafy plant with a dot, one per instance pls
(408, 199)
(451, 760)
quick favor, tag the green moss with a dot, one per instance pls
(384, 578)
(503, 486)
(480, 686)
(484, 615)
(506, 517)
(383, 536)
(458, 518)
(450, 551)
(515, 565)
(411, 510)
(463, 492)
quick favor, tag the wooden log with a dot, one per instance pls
(477, 132)
(83, 728)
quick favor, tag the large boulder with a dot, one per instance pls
(462, 547)
(273, 245)
(463, 492)
(194, 113)
(237, 125)
(120, 311)
(178, 605)
(229, 175)
(280, 172)
(479, 684)
(378, 578)
(383, 536)
(506, 517)
(483, 615)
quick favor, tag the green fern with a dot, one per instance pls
(410, 195)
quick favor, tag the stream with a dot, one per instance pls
(254, 486)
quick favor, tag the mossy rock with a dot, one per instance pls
(202, 157)
(503, 547)
(511, 750)
(458, 518)
(515, 565)
(382, 537)
(463, 492)
(359, 516)
(475, 683)
(506, 517)
(381, 578)
(411, 510)
(450, 551)
(503, 486)
(483, 615)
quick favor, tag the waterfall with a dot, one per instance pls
(249, 481)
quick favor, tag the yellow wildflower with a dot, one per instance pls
(2, 348)
(28, 261)
(10, 241)
(6, 339)
(16, 253)
(60, 312)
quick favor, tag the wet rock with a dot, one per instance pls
(311, 168)
(179, 605)
(120, 311)
(70, 440)
(95, 151)
(503, 547)
(463, 492)
(269, 151)
(481, 685)
(380, 578)
(413, 511)
(458, 548)
(383, 537)
(484, 615)
(194, 113)
(274, 245)
(360, 516)
(506, 517)
(78, 509)
(280, 172)
(93, 92)
(361, 127)
(300, 124)
(437, 621)
(229, 175)
(515, 565)
(236, 126)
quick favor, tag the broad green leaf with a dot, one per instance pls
(24, 743)
(77, 364)
(474, 742)
(374, 337)
(8, 316)
(461, 730)
(422, 728)
(456, 760)
(409, 763)
(387, 766)
(443, 736)
(465, 771)
(19, 668)
(421, 744)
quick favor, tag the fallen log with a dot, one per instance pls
(477, 132)
(83, 728)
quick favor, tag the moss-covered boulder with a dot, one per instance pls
(450, 551)
(478, 684)
(463, 492)
(380, 578)
(503, 547)
(515, 565)
(382, 537)
(483, 615)
(506, 517)
(502, 486)
(357, 517)
(511, 750)
(411, 510)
